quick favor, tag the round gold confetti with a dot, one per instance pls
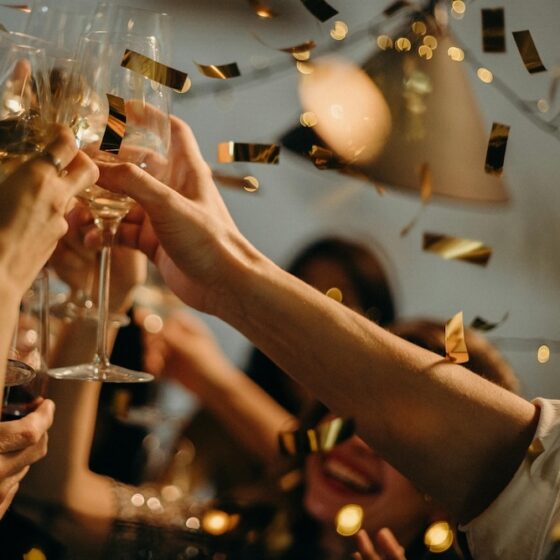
(438, 537)
(339, 31)
(384, 42)
(153, 323)
(402, 44)
(334, 293)
(543, 106)
(308, 119)
(193, 523)
(251, 184)
(485, 75)
(425, 52)
(430, 41)
(304, 67)
(456, 54)
(137, 500)
(188, 85)
(543, 354)
(215, 522)
(459, 7)
(419, 27)
(303, 55)
(349, 520)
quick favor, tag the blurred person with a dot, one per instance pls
(33, 200)
(408, 403)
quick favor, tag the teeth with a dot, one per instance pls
(341, 472)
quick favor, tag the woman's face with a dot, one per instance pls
(352, 473)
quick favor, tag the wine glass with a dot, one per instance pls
(101, 89)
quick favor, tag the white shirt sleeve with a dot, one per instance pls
(518, 522)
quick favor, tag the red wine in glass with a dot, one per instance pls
(22, 392)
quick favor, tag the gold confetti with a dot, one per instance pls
(480, 324)
(438, 537)
(19, 7)
(262, 10)
(402, 44)
(308, 119)
(496, 151)
(543, 354)
(229, 152)
(349, 519)
(216, 522)
(448, 248)
(458, 7)
(221, 72)
(425, 52)
(339, 31)
(323, 158)
(455, 345)
(426, 188)
(334, 293)
(430, 41)
(528, 51)
(535, 449)
(299, 49)
(304, 67)
(291, 480)
(322, 438)
(34, 554)
(248, 183)
(493, 32)
(419, 27)
(384, 42)
(116, 125)
(155, 71)
(485, 75)
(456, 54)
(320, 9)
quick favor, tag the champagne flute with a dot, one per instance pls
(97, 74)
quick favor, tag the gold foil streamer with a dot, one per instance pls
(222, 72)
(425, 196)
(116, 125)
(322, 438)
(229, 152)
(496, 151)
(448, 248)
(320, 9)
(455, 345)
(395, 7)
(262, 10)
(480, 324)
(528, 51)
(156, 71)
(493, 31)
(20, 7)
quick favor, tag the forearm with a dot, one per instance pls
(247, 412)
(457, 436)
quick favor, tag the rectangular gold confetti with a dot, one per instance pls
(156, 71)
(455, 345)
(493, 30)
(480, 324)
(116, 125)
(222, 72)
(394, 7)
(229, 152)
(496, 152)
(320, 9)
(457, 248)
(528, 51)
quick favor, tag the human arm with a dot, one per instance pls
(186, 350)
(456, 436)
(384, 547)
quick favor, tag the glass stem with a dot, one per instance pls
(108, 229)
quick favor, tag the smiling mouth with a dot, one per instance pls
(355, 481)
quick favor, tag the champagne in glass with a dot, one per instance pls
(99, 78)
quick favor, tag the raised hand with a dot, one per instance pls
(386, 546)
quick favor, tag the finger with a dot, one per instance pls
(388, 546)
(81, 173)
(62, 148)
(21, 434)
(5, 504)
(14, 461)
(9, 482)
(365, 546)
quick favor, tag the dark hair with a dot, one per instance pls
(374, 294)
(484, 359)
